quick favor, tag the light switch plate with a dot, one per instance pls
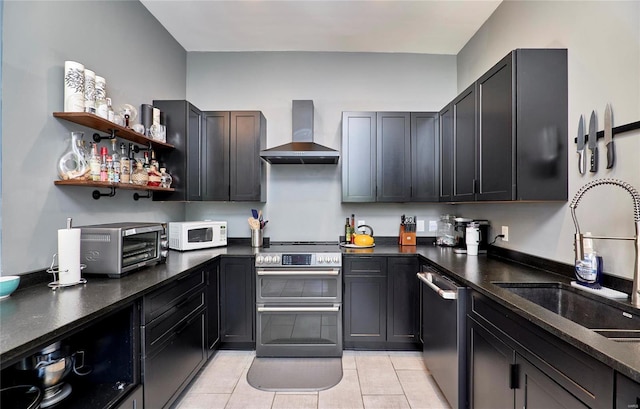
(420, 226)
(433, 225)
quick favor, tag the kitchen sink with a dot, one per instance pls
(582, 308)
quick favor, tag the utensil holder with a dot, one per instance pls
(256, 237)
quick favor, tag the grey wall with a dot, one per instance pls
(304, 201)
(121, 41)
(604, 66)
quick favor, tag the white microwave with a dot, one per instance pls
(197, 235)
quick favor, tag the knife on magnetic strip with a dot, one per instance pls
(593, 142)
(582, 158)
(608, 136)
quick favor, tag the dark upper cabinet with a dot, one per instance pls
(446, 153)
(496, 133)
(510, 131)
(393, 138)
(464, 145)
(184, 124)
(541, 124)
(425, 157)
(215, 154)
(247, 175)
(359, 156)
(233, 169)
(389, 157)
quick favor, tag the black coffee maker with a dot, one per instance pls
(460, 228)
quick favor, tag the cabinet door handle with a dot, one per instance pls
(514, 376)
(299, 309)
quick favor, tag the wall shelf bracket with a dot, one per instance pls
(97, 194)
(97, 138)
(138, 196)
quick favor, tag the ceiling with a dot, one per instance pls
(423, 26)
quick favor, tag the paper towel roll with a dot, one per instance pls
(69, 256)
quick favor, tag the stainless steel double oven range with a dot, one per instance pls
(299, 301)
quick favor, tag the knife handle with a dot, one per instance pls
(594, 160)
(582, 162)
(611, 155)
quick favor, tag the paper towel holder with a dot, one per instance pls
(55, 284)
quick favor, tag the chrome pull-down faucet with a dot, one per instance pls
(578, 237)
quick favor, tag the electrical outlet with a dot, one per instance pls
(505, 233)
(360, 222)
(433, 225)
(420, 226)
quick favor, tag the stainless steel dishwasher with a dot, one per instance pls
(443, 334)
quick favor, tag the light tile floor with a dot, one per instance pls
(371, 380)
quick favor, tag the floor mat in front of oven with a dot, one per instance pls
(294, 374)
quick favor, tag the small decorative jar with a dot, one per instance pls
(155, 178)
(165, 178)
(139, 175)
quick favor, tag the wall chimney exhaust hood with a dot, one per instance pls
(302, 150)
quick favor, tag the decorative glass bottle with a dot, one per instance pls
(72, 163)
(165, 178)
(139, 175)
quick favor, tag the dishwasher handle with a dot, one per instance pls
(446, 294)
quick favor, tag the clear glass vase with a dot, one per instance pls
(73, 162)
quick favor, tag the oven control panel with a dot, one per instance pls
(299, 260)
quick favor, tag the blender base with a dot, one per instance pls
(55, 394)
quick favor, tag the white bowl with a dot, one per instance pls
(8, 284)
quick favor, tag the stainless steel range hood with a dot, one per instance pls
(302, 150)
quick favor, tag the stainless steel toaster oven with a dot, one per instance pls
(116, 249)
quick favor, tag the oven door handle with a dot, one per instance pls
(335, 308)
(332, 272)
(446, 294)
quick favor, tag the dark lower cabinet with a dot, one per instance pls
(135, 400)
(627, 393)
(365, 308)
(403, 300)
(174, 338)
(537, 390)
(213, 307)
(514, 363)
(490, 371)
(237, 303)
(381, 302)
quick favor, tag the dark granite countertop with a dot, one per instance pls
(34, 316)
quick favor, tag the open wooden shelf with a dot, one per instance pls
(101, 124)
(130, 186)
